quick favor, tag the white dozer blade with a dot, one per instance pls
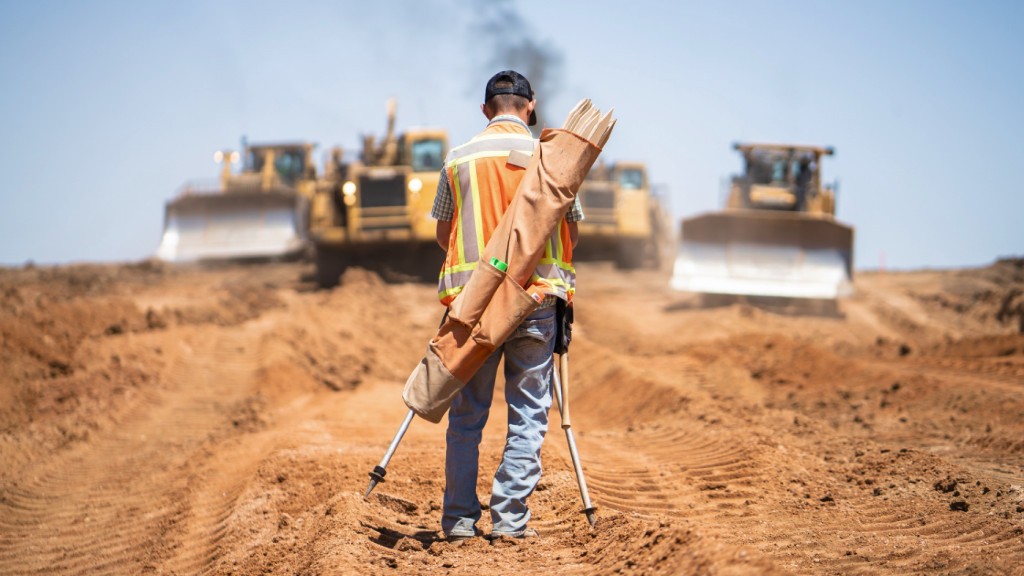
(228, 226)
(765, 253)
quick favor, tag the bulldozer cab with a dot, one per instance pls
(289, 162)
(781, 177)
(612, 196)
(419, 149)
(620, 220)
(632, 177)
(423, 151)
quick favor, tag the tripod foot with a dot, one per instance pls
(376, 476)
(591, 516)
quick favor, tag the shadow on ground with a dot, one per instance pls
(775, 305)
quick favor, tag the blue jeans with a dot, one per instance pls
(528, 375)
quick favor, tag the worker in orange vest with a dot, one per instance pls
(477, 184)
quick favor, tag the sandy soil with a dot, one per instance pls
(223, 421)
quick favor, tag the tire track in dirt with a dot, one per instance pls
(75, 516)
(984, 430)
(917, 527)
(664, 471)
(665, 462)
(921, 535)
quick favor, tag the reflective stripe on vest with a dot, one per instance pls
(484, 158)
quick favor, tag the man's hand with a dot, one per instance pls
(444, 233)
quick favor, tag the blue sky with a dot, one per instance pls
(108, 107)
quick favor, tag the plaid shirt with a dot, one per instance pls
(444, 203)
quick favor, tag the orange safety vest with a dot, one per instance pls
(483, 183)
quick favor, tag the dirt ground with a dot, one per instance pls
(158, 420)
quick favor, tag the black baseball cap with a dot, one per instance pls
(520, 87)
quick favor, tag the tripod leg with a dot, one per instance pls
(380, 470)
(588, 508)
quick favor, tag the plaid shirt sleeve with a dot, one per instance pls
(444, 206)
(575, 214)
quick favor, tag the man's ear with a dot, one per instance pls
(487, 114)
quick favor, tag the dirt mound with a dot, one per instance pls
(71, 343)
(223, 420)
(989, 297)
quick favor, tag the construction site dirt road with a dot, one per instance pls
(161, 420)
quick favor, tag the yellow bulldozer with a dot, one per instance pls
(260, 213)
(378, 208)
(623, 221)
(777, 237)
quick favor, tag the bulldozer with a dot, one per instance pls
(378, 211)
(260, 213)
(624, 222)
(776, 237)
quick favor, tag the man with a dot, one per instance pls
(477, 185)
